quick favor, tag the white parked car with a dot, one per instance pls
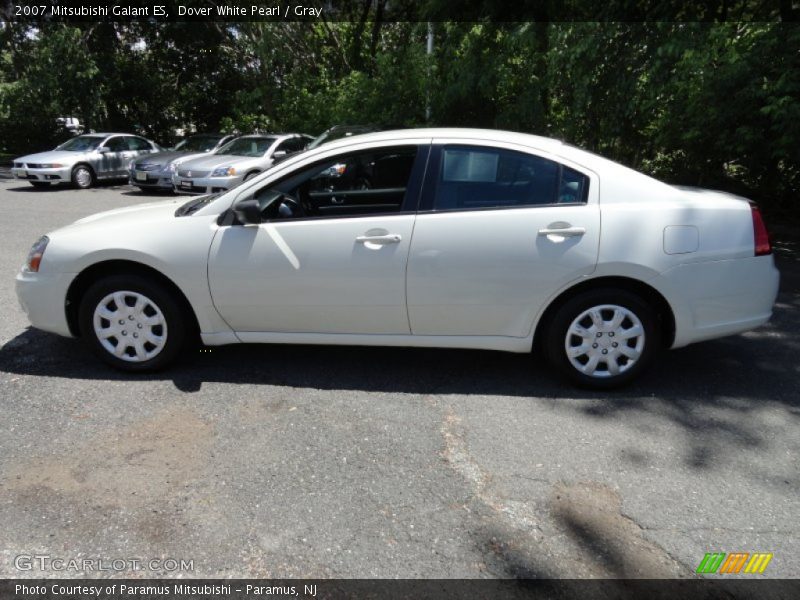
(452, 238)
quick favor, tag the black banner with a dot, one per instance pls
(385, 589)
(400, 10)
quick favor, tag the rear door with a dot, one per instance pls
(500, 229)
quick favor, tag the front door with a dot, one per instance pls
(330, 256)
(113, 163)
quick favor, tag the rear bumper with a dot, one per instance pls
(43, 296)
(719, 298)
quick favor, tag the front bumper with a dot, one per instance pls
(59, 175)
(204, 185)
(42, 297)
(157, 180)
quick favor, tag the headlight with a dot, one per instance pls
(36, 253)
(51, 166)
(223, 172)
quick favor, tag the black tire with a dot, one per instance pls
(174, 329)
(83, 177)
(40, 185)
(251, 175)
(608, 342)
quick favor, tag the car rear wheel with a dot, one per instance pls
(603, 338)
(40, 185)
(132, 323)
(82, 177)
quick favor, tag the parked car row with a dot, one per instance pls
(200, 164)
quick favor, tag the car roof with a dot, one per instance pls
(261, 135)
(106, 134)
(493, 135)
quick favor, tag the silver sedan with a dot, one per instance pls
(237, 161)
(83, 160)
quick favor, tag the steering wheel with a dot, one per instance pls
(289, 207)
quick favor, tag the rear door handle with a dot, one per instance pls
(565, 232)
(390, 238)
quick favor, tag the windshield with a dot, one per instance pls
(81, 143)
(198, 143)
(195, 204)
(247, 146)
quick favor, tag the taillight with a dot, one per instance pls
(760, 233)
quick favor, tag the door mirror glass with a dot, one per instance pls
(279, 153)
(104, 149)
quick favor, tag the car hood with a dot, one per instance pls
(208, 162)
(164, 158)
(129, 215)
(52, 156)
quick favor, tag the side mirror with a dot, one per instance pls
(104, 149)
(248, 211)
(279, 153)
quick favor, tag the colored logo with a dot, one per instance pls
(719, 562)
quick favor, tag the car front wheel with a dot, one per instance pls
(132, 323)
(82, 177)
(603, 338)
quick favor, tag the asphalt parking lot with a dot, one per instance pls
(279, 461)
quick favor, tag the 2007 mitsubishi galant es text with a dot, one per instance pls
(452, 238)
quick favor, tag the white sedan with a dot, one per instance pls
(451, 238)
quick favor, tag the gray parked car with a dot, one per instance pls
(83, 160)
(154, 171)
(235, 162)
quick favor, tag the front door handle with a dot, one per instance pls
(564, 232)
(390, 238)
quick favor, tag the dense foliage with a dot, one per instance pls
(712, 104)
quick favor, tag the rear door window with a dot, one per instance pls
(476, 177)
